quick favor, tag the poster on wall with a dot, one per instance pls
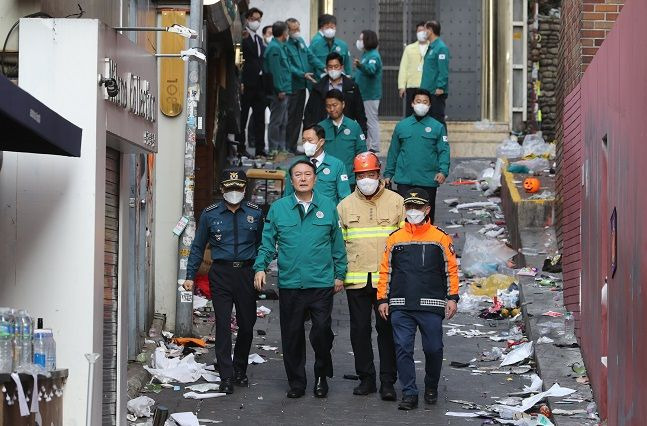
(614, 242)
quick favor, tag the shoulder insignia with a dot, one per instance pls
(252, 205)
(211, 207)
(441, 230)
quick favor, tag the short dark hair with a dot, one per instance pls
(326, 19)
(335, 56)
(279, 28)
(291, 21)
(252, 11)
(265, 28)
(302, 161)
(421, 24)
(320, 131)
(335, 94)
(370, 39)
(434, 26)
(420, 91)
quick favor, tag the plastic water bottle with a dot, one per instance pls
(23, 332)
(40, 348)
(6, 340)
(569, 327)
(50, 359)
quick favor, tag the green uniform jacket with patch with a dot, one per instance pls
(275, 62)
(435, 70)
(320, 48)
(311, 252)
(344, 142)
(368, 75)
(332, 179)
(301, 61)
(419, 150)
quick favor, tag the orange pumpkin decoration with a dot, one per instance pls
(531, 185)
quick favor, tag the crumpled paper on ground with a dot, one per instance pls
(195, 395)
(185, 419)
(518, 354)
(141, 406)
(185, 370)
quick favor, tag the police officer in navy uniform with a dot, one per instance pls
(233, 228)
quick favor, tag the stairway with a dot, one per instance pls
(466, 138)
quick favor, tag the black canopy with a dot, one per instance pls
(27, 125)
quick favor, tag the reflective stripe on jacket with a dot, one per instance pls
(366, 224)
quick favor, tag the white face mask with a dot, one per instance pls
(253, 25)
(234, 197)
(309, 149)
(329, 32)
(334, 74)
(421, 36)
(415, 216)
(295, 35)
(359, 44)
(421, 109)
(368, 186)
(268, 39)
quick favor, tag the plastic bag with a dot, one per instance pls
(471, 169)
(536, 145)
(469, 303)
(482, 255)
(533, 164)
(509, 148)
(490, 285)
(141, 406)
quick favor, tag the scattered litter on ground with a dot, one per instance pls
(544, 195)
(196, 395)
(199, 302)
(518, 354)
(255, 359)
(466, 414)
(185, 419)
(476, 204)
(553, 314)
(203, 387)
(452, 202)
(140, 406)
(185, 370)
(494, 354)
(562, 412)
(527, 272)
(535, 385)
(268, 348)
(261, 311)
(482, 256)
(545, 339)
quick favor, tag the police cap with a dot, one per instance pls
(416, 196)
(233, 178)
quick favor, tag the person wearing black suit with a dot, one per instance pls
(252, 91)
(315, 111)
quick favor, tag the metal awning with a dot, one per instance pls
(27, 125)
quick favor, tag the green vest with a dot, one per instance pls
(311, 251)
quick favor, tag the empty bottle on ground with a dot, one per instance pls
(6, 340)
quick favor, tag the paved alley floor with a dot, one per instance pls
(264, 402)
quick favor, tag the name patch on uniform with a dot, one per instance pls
(362, 137)
(427, 129)
(320, 214)
(250, 219)
(372, 61)
(441, 56)
(344, 177)
(326, 171)
(347, 131)
(444, 138)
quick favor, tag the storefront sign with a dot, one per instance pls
(172, 69)
(134, 92)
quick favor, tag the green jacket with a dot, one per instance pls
(301, 61)
(275, 62)
(332, 179)
(435, 71)
(418, 151)
(320, 48)
(344, 143)
(368, 75)
(311, 251)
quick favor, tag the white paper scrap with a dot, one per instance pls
(195, 395)
(255, 359)
(185, 419)
(518, 354)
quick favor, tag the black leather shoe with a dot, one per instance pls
(409, 402)
(387, 392)
(431, 396)
(321, 387)
(296, 393)
(227, 386)
(240, 379)
(365, 387)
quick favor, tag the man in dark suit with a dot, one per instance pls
(252, 91)
(315, 111)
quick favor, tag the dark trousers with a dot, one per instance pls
(409, 96)
(437, 109)
(254, 99)
(296, 104)
(361, 302)
(404, 325)
(431, 190)
(294, 304)
(233, 286)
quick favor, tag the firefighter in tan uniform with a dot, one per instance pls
(367, 217)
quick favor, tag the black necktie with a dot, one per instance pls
(314, 162)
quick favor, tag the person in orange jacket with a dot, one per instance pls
(418, 287)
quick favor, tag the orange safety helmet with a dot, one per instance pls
(531, 185)
(366, 162)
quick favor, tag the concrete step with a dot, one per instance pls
(466, 138)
